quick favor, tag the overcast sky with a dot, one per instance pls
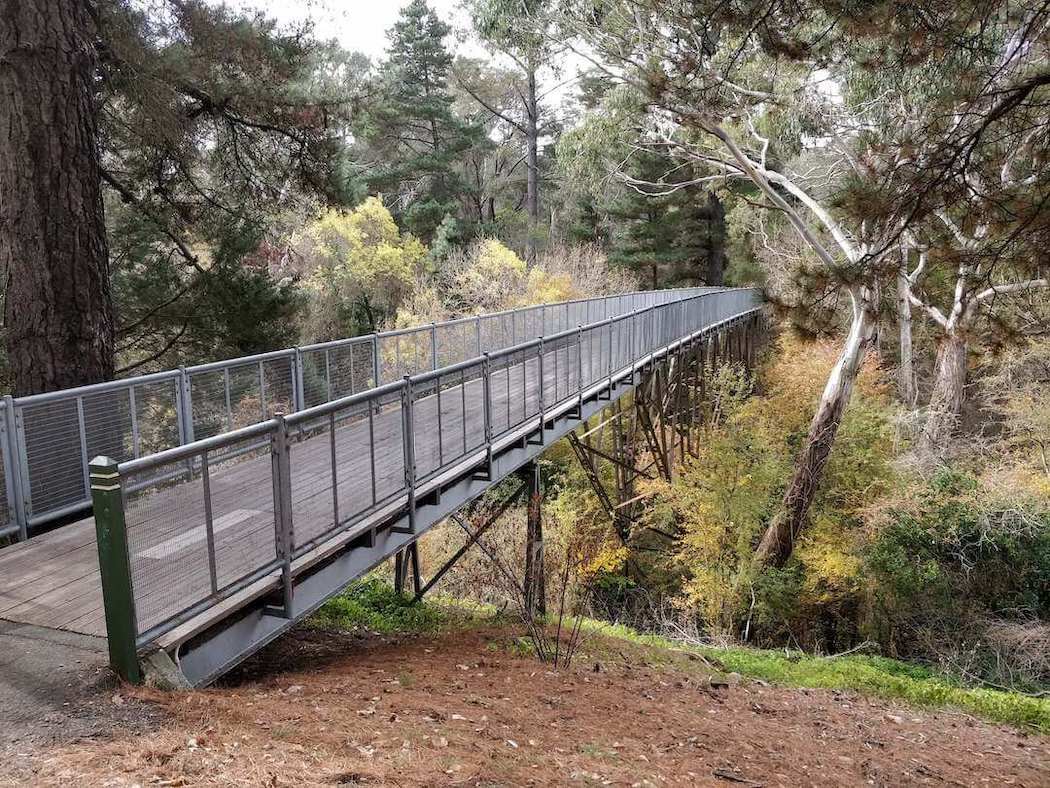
(359, 25)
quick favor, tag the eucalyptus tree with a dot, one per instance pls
(521, 30)
(752, 90)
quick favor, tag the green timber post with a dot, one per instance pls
(118, 597)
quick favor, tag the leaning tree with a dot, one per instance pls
(745, 89)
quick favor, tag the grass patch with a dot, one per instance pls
(877, 676)
(372, 605)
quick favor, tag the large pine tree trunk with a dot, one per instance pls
(779, 539)
(949, 383)
(58, 317)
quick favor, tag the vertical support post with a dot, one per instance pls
(118, 596)
(486, 395)
(477, 333)
(298, 389)
(542, 402)
(185, 411)
(376, 382)
(417, 581)
(535, 582)
(409, 440)
(399, 572)
(209, 523)
(14, 478)
(282, 498)
(433, 346)
(579, 370)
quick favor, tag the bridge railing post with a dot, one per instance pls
(541, 401)
(486, 394)
(15, 472)
(114, 563)
(282, 499)
(408, 425)
(579, 369)
(433, 346)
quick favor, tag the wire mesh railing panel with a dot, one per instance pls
(278, 386)
(314, 368)
(495, 332)
(388, 446)
(448, 418)
(54, 454)
(165, 515)
(246, 395)
(211, 413)
(369, 462)
(109, 427)
(509, 386)
(157, 422)
(351, 369)
(242, 504)
(456, 342)
(407, 353)
(311, 464)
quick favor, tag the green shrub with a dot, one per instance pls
(947, 557)
(372, 605)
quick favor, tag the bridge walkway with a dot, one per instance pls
(230, 540)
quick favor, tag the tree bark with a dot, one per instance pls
(58, 314)
(532, 182)
(949, 385)
(716, 253)
(906, 382)
(779, 539)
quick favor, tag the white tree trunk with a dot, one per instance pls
(949, 386)
(779, 539)
(906, 382)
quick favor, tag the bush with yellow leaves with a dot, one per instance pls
(361, 268)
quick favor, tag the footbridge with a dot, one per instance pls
(226, 502)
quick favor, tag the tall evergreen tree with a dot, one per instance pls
(410, 129)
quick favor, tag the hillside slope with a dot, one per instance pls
(467, 706)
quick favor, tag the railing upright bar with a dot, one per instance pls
(13, 471)
(407, 429)
(185, 412)
(335, 472)
(83, 444)
(209, 523)
(375, 361)
(433, 347)
(282, 499)
(486, 387)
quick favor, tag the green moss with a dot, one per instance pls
(876, 676)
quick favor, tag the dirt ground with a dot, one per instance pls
(463, 708)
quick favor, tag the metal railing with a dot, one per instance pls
(205, 520)
(47, 439)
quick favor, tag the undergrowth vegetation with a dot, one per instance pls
(944, 562)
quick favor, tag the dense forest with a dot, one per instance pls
(182, 182)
